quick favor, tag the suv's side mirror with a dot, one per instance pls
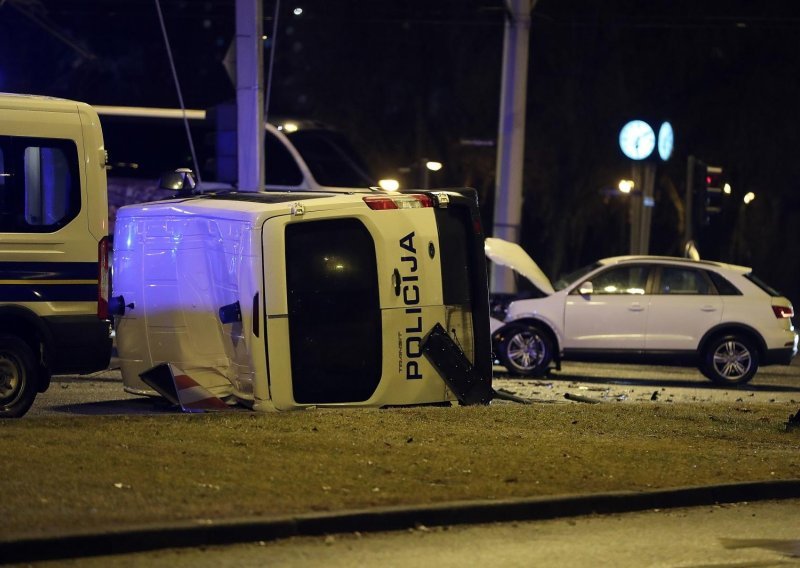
(586, 289)
(181, 181)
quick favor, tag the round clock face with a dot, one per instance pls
(637, 140)
(666, 140)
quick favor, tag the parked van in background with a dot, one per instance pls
(54, 273)
(301, 155)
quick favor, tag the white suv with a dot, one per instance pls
(717, 316)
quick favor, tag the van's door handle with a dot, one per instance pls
(117, 306)
(636, 307)
(256, 318)
(396, 281)
(709, 308)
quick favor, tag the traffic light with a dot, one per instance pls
(714, 185)
(708, 187)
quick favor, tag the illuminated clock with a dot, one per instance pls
(637, 140)
(666, 140)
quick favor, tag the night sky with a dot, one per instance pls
(413, 79)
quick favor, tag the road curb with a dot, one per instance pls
(223, 532)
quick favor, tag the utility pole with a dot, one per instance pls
(511, 134)
(642, 203)
(688, 214)
(250, 94)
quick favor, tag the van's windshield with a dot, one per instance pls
(331, 158)
(145, 148)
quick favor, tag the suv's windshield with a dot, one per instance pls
(568, 279)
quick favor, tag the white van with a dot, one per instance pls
(54, 279)
(301, 155)
(284, 300)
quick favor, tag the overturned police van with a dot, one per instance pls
(280, 301)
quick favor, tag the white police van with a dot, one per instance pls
(285, 300)
(54, 278)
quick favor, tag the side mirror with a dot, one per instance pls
(586, 289)
(181, 181)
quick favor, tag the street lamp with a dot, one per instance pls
(430, 166)
(749, 197)
(389, 184)
(289, 127)
(626, 185)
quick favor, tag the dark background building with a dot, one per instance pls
(407, 80)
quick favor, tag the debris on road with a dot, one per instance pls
(504, 394)
(579, 398)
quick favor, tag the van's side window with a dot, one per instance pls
(40, 188)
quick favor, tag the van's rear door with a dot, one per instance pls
(363, 285)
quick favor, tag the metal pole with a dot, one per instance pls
(511, 134)
(250, 94)
(648, 203)
(636, 208)
(687, 209)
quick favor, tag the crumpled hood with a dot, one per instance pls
(513, 256)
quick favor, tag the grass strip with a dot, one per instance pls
(68, 473)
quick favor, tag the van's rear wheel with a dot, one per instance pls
(18, 372)
(525, 350)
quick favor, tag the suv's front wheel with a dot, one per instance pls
(525, 350)
(730, 360)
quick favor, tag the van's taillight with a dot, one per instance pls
(103, 280)
(783, 311)
(404, 201)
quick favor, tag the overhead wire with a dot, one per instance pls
(178, 89)
(268, 90)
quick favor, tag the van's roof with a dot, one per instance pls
(37, 102)
(245, 206)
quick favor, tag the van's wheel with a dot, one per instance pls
(730, 360)
(525, 350)
(18, 373)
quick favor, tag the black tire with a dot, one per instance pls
(525, 350)
(18, 377)
(730, 360)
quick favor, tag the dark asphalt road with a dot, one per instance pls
(102, 393)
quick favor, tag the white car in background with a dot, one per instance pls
(719, 317)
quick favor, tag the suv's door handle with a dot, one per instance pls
(709, 308)
(636, 307)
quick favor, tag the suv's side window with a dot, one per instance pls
(40, 188)
(677, 280)
(621, 280)
(724, 287)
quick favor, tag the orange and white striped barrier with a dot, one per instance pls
(179, 388)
